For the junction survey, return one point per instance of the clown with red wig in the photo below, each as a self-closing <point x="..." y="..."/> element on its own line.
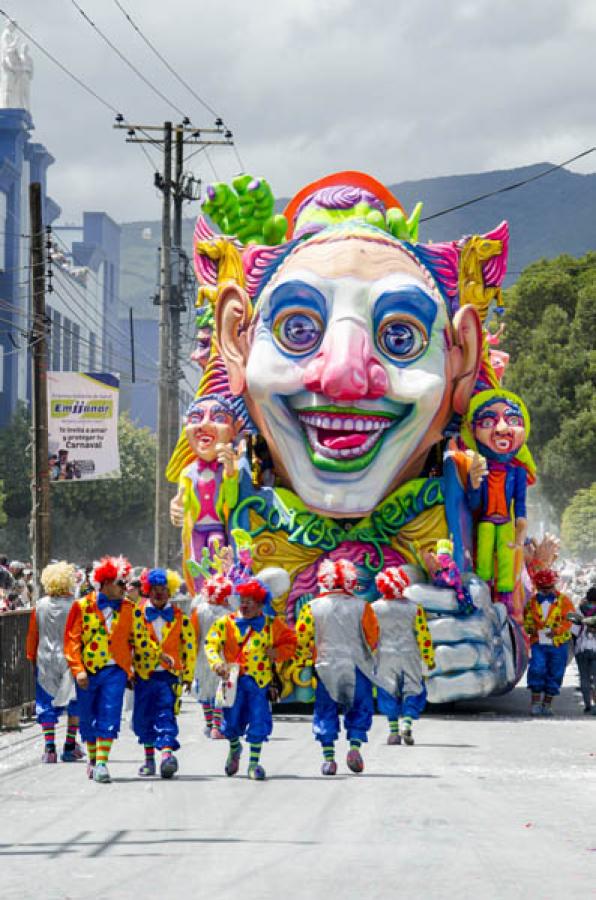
<point x="549" y="630"/>
<point x="210" y="605"/>
<point x="254" y="640"/>
<point x="338" y="633"/>
<point x="404" y="641"/>
<point x="98" y="648"/>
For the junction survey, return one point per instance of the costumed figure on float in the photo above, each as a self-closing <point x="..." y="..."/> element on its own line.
<point x="355" y="352"/>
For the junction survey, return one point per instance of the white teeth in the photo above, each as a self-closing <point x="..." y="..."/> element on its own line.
<point x="359" y="425"/>
<point x="326" y="423"/>
<point x="338" y="424"/>
<point x="349" y="425"/>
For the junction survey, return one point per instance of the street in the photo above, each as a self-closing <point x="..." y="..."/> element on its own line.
<point x="488" y="804"/>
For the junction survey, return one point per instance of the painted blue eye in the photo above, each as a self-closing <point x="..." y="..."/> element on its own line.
<point x="402" y="338"/>
<point x="298" y="331"/>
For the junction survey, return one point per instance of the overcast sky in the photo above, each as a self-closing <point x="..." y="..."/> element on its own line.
<point x="402" y="90"/>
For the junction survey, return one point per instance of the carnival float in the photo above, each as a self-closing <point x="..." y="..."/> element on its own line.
<point x="350" y="407"/>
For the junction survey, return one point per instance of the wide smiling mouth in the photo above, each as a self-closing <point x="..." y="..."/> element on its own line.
<point x="503" y="444"/>
<point x="336" y="435"/>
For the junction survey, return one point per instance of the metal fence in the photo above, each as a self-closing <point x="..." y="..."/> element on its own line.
<point x="17" y="679"/>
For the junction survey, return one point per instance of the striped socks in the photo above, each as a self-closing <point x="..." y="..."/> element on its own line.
<point x="406" y="723"/>
<point x="166" y="751"/>
<point x="328" y="752"/>
<point x="48" y="729"/>
<point x="71" y="736"/>
<point x="255" y="755"/>
<point x="92" y="752"/>
<point x="149" y="753"/>
<point x="355" y="744"/>
<point x="393" y="726"/>
<point x="217" y="717"/>
<point x="208" y="713"/>
<point x="104" y="745"/>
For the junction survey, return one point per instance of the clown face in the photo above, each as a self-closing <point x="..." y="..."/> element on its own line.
<point x="350" y="369"/>
<point x="499" y="428"/>
<point x="208" y="425"/>
<point x="202" y="350"/>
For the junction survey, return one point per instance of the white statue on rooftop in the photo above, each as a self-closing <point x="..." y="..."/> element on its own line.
<point x="16" y="71"/>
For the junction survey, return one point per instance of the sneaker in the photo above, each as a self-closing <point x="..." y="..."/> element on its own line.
<point x="90" y="770"/>
<point x="101" y="774"/>
<point x="73" y="754"/>
<point x="169" y="766"/>
<point x="216" y="735"/>
<point x="355" y="761"/>
<point x="536" y="709"/>
<point x="408" y="737"/>
<point x="547" y="710"/>
<point x="329" y="767"/>
<point x="147" y="769"/>
<point x="233" y="762"/>
<point x="394" y="738"/>
<point x="257" y="773"/>
<point x="50" y="756"/>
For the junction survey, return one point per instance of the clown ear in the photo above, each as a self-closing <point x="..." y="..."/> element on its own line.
<point x="275" y="579"/>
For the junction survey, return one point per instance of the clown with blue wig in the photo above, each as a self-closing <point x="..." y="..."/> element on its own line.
<point x="165" y="651"/>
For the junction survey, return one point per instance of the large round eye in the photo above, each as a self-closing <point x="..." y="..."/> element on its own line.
<point x="298" y="331"/>
<point x="402" y="338"/>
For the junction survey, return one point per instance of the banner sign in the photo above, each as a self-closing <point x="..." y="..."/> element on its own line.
<point x="83" y="425"/>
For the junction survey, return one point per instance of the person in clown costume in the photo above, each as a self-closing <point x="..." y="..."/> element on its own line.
<point x="404" y="641"/>
<point x="165" y="651"/>
<point x="548" y="627"/>
<point x="98" y="648"/>
<point x="497" y="425"/>
<point x="338" y="634"/>
<point x="254" y="639"/>
<point x="211" y="604"/>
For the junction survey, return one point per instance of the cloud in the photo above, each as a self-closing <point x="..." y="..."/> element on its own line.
<point x="402" y="90"/>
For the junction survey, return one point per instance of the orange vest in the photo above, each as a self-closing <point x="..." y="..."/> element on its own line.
<point x="88" y="646"/>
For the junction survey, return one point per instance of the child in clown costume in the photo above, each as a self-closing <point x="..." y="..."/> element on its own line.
<point x="338" y="633"/>
<point x="98" y="649"/>
<point x="547" y="625"/>
<point x="45" y="649"/>
<point x="165" y="651"/>
<point x="254" y="639"/>
<point x="210" y="605"/>
<point x="404" y="640"/>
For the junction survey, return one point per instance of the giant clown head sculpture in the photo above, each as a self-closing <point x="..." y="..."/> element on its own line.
<point x="348" y="343"/>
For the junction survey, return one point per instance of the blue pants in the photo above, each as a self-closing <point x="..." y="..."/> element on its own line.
<point x="357" y="719"/>
<point x="394" y="707"/>
<point x="153" y="718"/>
<point x="547" y="668"/>
<point x="45" y="712"/>
<point x="100" y="704"/>
<point x="250" y="714"/>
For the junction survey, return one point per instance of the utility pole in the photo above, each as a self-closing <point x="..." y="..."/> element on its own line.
<point x="162" y="516"/>
<point x="40" y="475"/>
<point x="170" y="305"/>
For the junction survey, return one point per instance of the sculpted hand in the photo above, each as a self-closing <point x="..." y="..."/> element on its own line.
<point x="478" y="470"/>
<point x="476" y="655"/>
<point x="229" y="458"/>
<point x="177" y="511"/>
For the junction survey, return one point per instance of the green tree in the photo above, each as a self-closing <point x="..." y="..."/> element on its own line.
<point x="578" y="526"/>
<point x="2" y="500"/>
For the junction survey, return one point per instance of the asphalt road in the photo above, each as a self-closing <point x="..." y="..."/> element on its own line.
<point x="487" y="804"/>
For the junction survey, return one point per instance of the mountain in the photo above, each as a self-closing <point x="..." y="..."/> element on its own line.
<point x="547" y="217"/>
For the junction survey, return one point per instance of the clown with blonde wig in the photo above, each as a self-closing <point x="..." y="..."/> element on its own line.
<point x="338" y="634"/>
<point x="45" y="649"/>
<point x="98" y="649"/>
<point x="404" y="641"/>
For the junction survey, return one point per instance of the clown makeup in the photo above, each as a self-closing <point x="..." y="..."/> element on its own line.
<point x="499" y="426"/>
<point x="348" y="366"/>
<point x="209" y="424"/>
<point x="159" y="595"/>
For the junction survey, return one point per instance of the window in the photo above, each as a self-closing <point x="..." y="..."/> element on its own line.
<point x="56" y="340"/>
<point x="66" y="345"/>
<point x="76" y="347"/>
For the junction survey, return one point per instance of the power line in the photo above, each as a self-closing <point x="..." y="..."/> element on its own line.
<point x="125" y="60"/>
<point x="509" y="187"/>
<point x="57" y="62"/>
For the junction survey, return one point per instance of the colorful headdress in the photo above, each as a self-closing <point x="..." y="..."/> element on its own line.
<point x="392" y="582"/>
<point x="110" y="568"/>
<point x="254" y="589"/>
<point x="337" y="575"/>
<point x="545" y="578"/>
<point x="217" y="589"/>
